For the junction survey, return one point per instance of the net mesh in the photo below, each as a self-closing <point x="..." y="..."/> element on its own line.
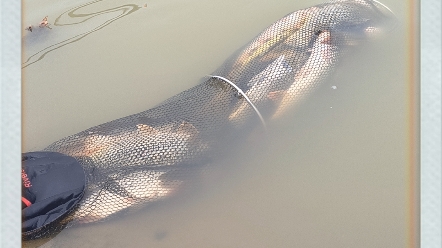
<point x="146" y="157"/>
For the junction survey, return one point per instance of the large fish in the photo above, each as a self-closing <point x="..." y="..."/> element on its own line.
<point x="338" y="25"/>
<point x="318" y="66"/>
<point x="168" y="144"/>
<point x="291" y="28"/>
<point x="126" y="190"/>
<point x="260" y="86"/>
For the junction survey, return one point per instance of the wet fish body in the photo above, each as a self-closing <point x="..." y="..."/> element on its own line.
<point x="124" y="191"/>
<point x="318" y="66"/>
<point x="279" y="32"/>
<point x="260" y="86"/>
<point x="140" y="145"/>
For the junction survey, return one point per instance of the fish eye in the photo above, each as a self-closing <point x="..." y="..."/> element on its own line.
<point x="318" y="32"/>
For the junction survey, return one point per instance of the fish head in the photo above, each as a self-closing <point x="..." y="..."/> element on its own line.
<point x="352" y="21"/>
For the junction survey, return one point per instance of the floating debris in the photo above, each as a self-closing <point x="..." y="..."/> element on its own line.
<point x="334" y="87"/>
<point x="145" y="5"/>
<point x="44" y="23"/>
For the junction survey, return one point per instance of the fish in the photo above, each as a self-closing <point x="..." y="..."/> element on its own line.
<point x="260" y="86"/>
<point x="340" y="26"/>
<point x="126" y="192"/>
<point x="142" y="145"/>
<point x="285" y="29"/>
<point x="144" y="172"/>
<point x="318" y="66"/>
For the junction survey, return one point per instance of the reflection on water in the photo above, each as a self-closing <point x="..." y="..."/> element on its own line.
<point x="84" y="27"/>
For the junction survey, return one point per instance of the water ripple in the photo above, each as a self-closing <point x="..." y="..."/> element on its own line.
<point x="73" y="17"/>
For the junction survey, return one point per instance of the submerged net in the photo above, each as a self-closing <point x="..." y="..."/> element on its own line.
<point x="146" y="157"/>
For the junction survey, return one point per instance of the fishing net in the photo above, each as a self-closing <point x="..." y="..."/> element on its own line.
<point x="149" y="156"/>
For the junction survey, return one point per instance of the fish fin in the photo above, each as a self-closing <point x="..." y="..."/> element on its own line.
<point x="111" y="185"/>
<point x="91" y="145"/>
<point x="276" y="95"/>
<point x="146" y="129"/>
<point x="187" y="128"/>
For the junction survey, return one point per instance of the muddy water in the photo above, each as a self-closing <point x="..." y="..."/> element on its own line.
<point x="334" y="173"/>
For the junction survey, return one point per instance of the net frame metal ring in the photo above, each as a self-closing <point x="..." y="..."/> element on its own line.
<point x="245" y="97"/>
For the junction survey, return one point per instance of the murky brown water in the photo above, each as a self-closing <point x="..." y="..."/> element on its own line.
<point x="334" y="174"/>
